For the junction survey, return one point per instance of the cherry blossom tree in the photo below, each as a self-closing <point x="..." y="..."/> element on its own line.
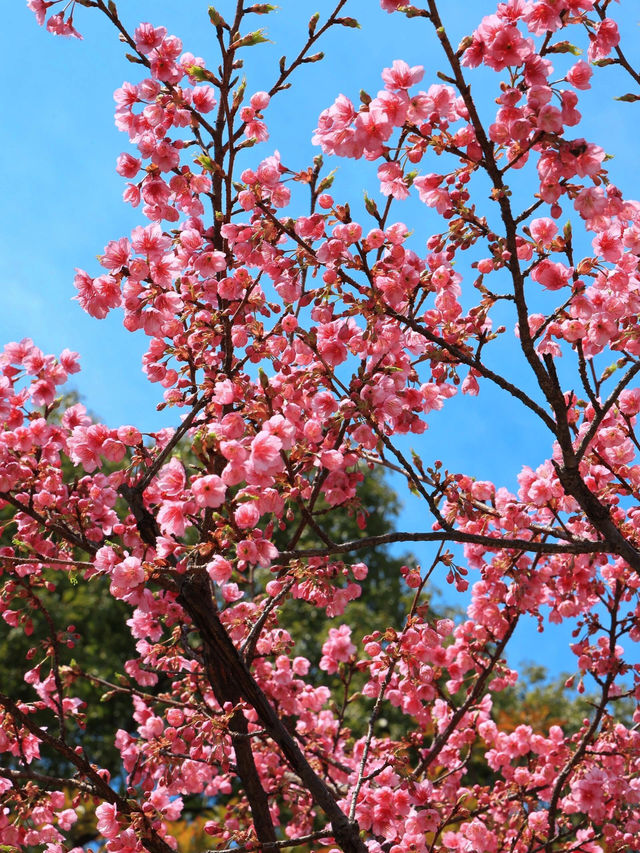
<point x="296" y="352"/>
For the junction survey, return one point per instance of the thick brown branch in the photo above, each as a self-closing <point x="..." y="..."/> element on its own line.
<point x="601" y="411"/>
<point x="46" y="781"/>
<point x="279" y="845"/>
<point x="577" y="546"/>
<point x="231" y="678"/>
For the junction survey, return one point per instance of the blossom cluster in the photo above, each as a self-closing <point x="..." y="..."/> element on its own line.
<point x="300" y="350"/>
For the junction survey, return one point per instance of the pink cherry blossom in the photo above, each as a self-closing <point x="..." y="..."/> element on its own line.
<point x="391" y="181"/>
<point x="265" y="453"/>
<point x="125" y="576"/>
<point x="107" y="815"/>
<point x="147" y="37"/>
<point x="337" y="649"/>
<point x="219" y="569"/>
<point x="247" y="515"/>
<point x="172" y="518"/>
<point x="209" y="490"/>
<point x="401" y="76"/>
<point x="579" y="75"/>
<point x="551" y="275"/>
<point x="605" y="39"/>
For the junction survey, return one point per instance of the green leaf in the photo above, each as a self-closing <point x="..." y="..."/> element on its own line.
<point x="327" y="181"/>
<point x="315" y="57"/>
<point x="564" y="47"/>
<point x="262" y="8"/>
<point x="206" y="162"/>
<point x="216" y="18"/>
<point x="413" y="12"/>
<point x="256" y="37"/>
<point x="348" y="22"/>
<point x="238" y="95"/>
<point x="370" y="206"/>
<point x="201" y="74"/>
<point x="629" y="98"/>
<point x="609" y="371"/>
<point x="264" y="379"/>
<point x="313" y="23"/>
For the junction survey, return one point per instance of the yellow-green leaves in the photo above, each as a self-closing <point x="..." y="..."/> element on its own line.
<point x="261" y="8"/>
<point x="313" y="23"/>
<point x="216" y="18"/>
<point x="348" y="22"/>
<point x="256" y="37"/>
<point x="564" y="47"/>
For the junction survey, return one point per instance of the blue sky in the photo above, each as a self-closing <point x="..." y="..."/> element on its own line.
<point x="61" y="200"/>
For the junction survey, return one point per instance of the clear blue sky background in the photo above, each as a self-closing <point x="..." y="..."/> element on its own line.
<point x="61" y="199"/>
